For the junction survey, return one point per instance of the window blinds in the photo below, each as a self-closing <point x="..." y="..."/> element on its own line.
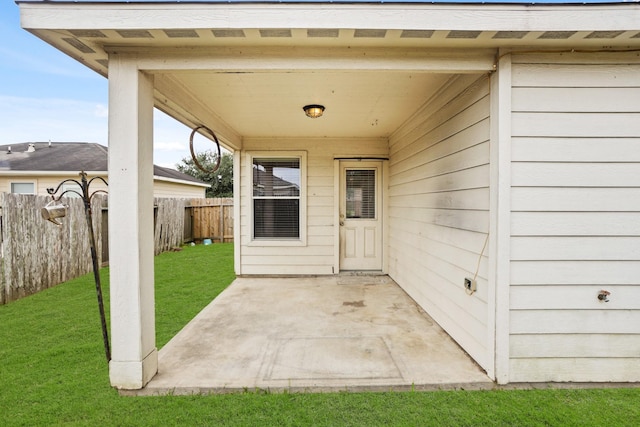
<point x="361" y="194"/>
<point x="276" y="198"/>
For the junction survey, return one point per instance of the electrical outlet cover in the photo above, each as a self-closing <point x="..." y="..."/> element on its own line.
<point x="469" y="284"/>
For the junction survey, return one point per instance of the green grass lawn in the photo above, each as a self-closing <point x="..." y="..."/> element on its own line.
<point x="53" y="372"/>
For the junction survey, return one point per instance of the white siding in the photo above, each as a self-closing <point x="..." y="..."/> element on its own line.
<point x="42" y="182"/>
<point x="575" y="218"/>
<point x="177" y="190"/>
<point x="318" y="255"/>
<point x="439" y="209"/>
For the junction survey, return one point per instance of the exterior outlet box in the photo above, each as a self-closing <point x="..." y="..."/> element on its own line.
<point x="469" y="284"/>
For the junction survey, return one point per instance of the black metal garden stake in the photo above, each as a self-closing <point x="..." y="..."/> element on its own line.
<point x="86" y="198"/>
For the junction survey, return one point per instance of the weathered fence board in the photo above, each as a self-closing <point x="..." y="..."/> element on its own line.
<point x="169" y="231"/>
<point x="36" y="254"/>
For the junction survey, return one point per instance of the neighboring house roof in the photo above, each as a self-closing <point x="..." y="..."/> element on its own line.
<point x="70" y="157"/>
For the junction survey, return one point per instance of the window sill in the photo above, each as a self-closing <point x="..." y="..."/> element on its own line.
<point x="273" y="242"/>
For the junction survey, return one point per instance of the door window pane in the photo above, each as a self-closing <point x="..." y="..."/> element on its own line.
<point x="361" y="194"/>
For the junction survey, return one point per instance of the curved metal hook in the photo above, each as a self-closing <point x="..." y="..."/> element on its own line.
<point x="52" y="191"/>
<point x="100" y="178"/>
<point x="96" y="192"/>
<point x="193" y="154"/>
<point x="68" y="191"/>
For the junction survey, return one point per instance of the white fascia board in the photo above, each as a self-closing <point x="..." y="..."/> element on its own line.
<point x="91" y="174"/>
<point x="181" y="181"/>
<point x="486" y="17"/>
<point x="312" y="59"/>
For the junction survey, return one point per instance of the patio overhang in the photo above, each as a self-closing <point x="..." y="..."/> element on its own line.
<point x="246" y="69"/>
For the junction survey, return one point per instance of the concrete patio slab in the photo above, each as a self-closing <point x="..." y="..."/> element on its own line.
<point x="352" y="332"/>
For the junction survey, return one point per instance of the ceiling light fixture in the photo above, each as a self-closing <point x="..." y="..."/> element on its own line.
<point x="313" y="110"/>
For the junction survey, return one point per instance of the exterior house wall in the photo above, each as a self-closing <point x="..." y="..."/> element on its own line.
<point x="317" y="256"/>
<point x="42" y="182"/>
<point x="575" y="227"/>
<point x="163" y="188"/>
<point x="439" y="209"/>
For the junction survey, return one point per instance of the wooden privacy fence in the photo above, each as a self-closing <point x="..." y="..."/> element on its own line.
<point x="35" y="254"/>
<point x="212" y="219"/>
<point x="169" y="224"/>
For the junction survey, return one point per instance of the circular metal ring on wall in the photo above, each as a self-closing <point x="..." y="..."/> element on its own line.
<point x="193" y="154"/>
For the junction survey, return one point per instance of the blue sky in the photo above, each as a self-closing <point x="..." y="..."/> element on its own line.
<point x="45" y="95"/>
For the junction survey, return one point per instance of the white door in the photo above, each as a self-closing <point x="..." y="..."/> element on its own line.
<point x="360" y="215"/>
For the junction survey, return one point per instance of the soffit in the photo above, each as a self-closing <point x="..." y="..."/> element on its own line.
<point x="268" y="103"/>
<point x="88" y="45"/>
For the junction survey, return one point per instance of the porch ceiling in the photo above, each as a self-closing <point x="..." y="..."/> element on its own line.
<point x="358" y="104"/>
<point x="264" y="94"/>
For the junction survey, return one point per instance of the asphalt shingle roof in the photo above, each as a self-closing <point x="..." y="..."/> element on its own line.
<point x="68" y="156"/>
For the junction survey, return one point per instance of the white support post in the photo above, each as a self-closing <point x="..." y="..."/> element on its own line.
<point x="134" y="354"/>
<point x="237" y="203"/>
<point x="500" y="218"/>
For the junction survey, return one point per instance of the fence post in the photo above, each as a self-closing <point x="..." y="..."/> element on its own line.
<point x="221" y="220"/>
<point x="3" y="282"/>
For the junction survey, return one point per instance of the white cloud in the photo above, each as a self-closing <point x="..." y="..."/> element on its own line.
<point x="43" y="119"/>
<point x="24" y="119"/>
<point x="101" y="110"/>
<point x="168" y="146"/>
<point x="171" y="140"/>
<point x="48" y="62"/>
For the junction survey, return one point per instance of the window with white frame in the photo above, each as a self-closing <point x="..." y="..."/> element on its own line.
<point x="71" y="190"/>
<point x="277" y="197"/>
<point x="23" y="188"/>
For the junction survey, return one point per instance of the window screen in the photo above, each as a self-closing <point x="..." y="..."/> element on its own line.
<point x="276" y="198"/>
<point x="361" y="194"/>
<point x="22" y="188"/>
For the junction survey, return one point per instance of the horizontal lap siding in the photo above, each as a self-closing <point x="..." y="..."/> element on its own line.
<point x="439" y="209"/>
<point x="575" y="218"/>
<point x="176" y="190"/>
<point x="160" y="188"/>
<point x="318" y="255"/>
<point x="43" y="182"/>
